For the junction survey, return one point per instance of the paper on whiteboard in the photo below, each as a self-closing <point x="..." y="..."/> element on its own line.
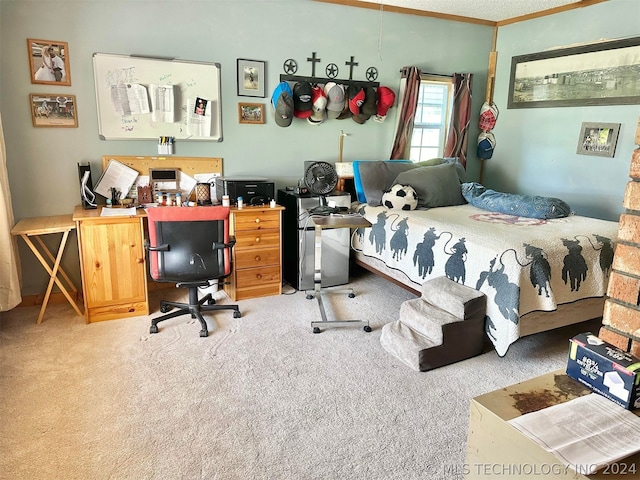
<point x="129" y="99"/>
<point x="163" y="103"/>
<point x="199" y="124"/>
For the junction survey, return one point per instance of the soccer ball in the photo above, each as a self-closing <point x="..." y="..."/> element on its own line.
<point x="400" y="197"/>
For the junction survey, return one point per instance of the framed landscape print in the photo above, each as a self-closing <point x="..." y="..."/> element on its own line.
<point x="49" y="62"/>
<point x="53" y="110"/>
<point x="251" y="113"/>
<point x="604" y="73"/>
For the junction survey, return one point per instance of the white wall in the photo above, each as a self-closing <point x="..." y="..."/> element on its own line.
<point x="42" y="161"/>
<point x="536" y="147"/>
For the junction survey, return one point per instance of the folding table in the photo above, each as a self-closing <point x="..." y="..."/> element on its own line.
<point x="36" y="227"/>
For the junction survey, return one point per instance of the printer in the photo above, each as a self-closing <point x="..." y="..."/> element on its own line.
<point x="254" y="191"/>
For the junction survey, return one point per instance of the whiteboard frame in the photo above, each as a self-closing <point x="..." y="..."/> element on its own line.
<point x="176" y="129"/>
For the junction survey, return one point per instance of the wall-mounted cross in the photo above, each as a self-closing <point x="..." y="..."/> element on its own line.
<point x="313" y="61"/>
<point x="351" y="64"/>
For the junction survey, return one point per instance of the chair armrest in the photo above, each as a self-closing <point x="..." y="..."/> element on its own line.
<point x="221" y="245"/>
<point x="160" y="248"/>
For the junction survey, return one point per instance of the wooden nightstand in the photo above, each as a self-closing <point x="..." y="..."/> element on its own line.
<point x="257" y="264"/>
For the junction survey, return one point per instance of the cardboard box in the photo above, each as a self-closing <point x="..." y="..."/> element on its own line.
<point x="605" y="369"/>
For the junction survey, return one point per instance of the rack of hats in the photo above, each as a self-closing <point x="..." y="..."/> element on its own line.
<point x="318" y="99"/>
<point x="488" y="116"/>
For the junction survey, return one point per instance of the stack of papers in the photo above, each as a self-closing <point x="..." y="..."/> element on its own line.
<point x="585" y="434"/>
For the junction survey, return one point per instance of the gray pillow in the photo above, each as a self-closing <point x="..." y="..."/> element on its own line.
<point x="377" y="176"/>
<point x="436" y="186"/>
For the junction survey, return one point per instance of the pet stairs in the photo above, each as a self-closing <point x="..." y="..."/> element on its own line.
<point x="445" y="325"/>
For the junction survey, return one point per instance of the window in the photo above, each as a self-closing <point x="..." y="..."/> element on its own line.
<point x="435" y="101"/>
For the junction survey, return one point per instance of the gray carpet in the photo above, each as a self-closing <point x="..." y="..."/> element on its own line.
<point x="260" y="398"/>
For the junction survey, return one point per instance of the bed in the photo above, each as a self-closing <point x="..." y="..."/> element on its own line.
<point x="537" y="273"/>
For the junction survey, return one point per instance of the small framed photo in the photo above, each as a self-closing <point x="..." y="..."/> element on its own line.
<point x="53" y="110"/>
<point x="251" y="78"/>
<point x="598" y="139"/>
<point x="251" y="113"/>
<point x="49" y="62"/>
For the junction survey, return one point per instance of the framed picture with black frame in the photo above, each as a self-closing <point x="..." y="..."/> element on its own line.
<point x="603" y="73"/>
<point x="251" y="78"/>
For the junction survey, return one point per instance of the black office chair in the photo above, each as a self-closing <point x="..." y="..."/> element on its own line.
<point x="189" y="246"/>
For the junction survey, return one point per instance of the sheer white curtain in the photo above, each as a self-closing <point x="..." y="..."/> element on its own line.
<point x="9" y="260"/>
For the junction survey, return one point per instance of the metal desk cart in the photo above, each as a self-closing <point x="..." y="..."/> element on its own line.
<point x="322" y="222"/>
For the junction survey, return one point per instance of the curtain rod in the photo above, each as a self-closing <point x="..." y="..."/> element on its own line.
<point x="404" y="72"/>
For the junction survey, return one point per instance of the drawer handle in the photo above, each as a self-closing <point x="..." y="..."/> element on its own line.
<point x="257" y="220"/>
<point x="258" y="258"/>
<point x="259" y="276"/>
<point x="139" y="260"/>
<point x="257" y="239"/>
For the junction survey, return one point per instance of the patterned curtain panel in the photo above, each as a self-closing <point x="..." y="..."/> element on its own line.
<point x="459" y="128"/>
<point x="406" y="118"/>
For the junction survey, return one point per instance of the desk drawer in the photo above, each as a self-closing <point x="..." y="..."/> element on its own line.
<point x="257" y="257"/>
<point x="251" y="277"/>
<point x="258" y="220"/>
<point x="258" y="238"/>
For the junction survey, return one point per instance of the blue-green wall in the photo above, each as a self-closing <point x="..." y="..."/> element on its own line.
<point x="536" y="147"/>
<point x="42" y="161"/>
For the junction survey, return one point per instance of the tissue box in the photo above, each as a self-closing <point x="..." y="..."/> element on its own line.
<point x="605" y="369"/>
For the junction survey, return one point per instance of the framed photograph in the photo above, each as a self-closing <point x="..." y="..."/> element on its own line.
<point x="251" y="113"/>
<point x="251" y="78"/>
<point x="602" y="73"/>
<point x="53" y="110"/>
<point x="49" y="62"/>
<point x="598" y="139"/>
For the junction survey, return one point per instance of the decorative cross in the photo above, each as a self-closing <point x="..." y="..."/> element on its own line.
<point x="313" y="61"/>
<point x="351" y="64"/>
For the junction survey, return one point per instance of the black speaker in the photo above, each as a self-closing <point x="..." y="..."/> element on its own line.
<point x="87" y="196"/>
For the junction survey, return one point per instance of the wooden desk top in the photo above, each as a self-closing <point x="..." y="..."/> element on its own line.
<point x="44" y="225"/>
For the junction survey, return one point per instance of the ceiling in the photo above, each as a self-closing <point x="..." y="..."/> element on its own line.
<point x="480" y="11"/>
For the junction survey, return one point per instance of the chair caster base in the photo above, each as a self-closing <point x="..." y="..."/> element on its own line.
<point x="352" y="295"/>
<point x="316" y="330"/>
<point x="367" y="328"/>
<point x="153" y="329"/>
<point x="309" y="296"/>
<point x="236" y="314"/>
<point x="204" y="333"/>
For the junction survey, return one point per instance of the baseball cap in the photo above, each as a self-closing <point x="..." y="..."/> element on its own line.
<point x="488" y="116"/>
<point x="318" y="105"/>
<point x="335" y="99"/>
<point x="386" y="99"/>
<point x="282" y="101"/>
<point x="368" y="106"/>
<point x="486" y="145"/>
<point x="356" y="98"/>
<point x="302" y="99"/>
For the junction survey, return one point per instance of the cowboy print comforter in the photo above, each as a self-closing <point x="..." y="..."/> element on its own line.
<point x="521" y="264"/>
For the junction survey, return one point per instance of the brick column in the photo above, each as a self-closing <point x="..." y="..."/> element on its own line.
<point x="621" y="317"/>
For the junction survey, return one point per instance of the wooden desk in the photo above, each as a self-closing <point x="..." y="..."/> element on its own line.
<point x="495" y="449"/>
<point x="36" y="227"/>
<point x="112" y="262"/>
<point x="322" y="222"/>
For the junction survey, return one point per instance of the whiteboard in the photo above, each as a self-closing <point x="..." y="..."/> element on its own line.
<point x="141" y="98"/>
